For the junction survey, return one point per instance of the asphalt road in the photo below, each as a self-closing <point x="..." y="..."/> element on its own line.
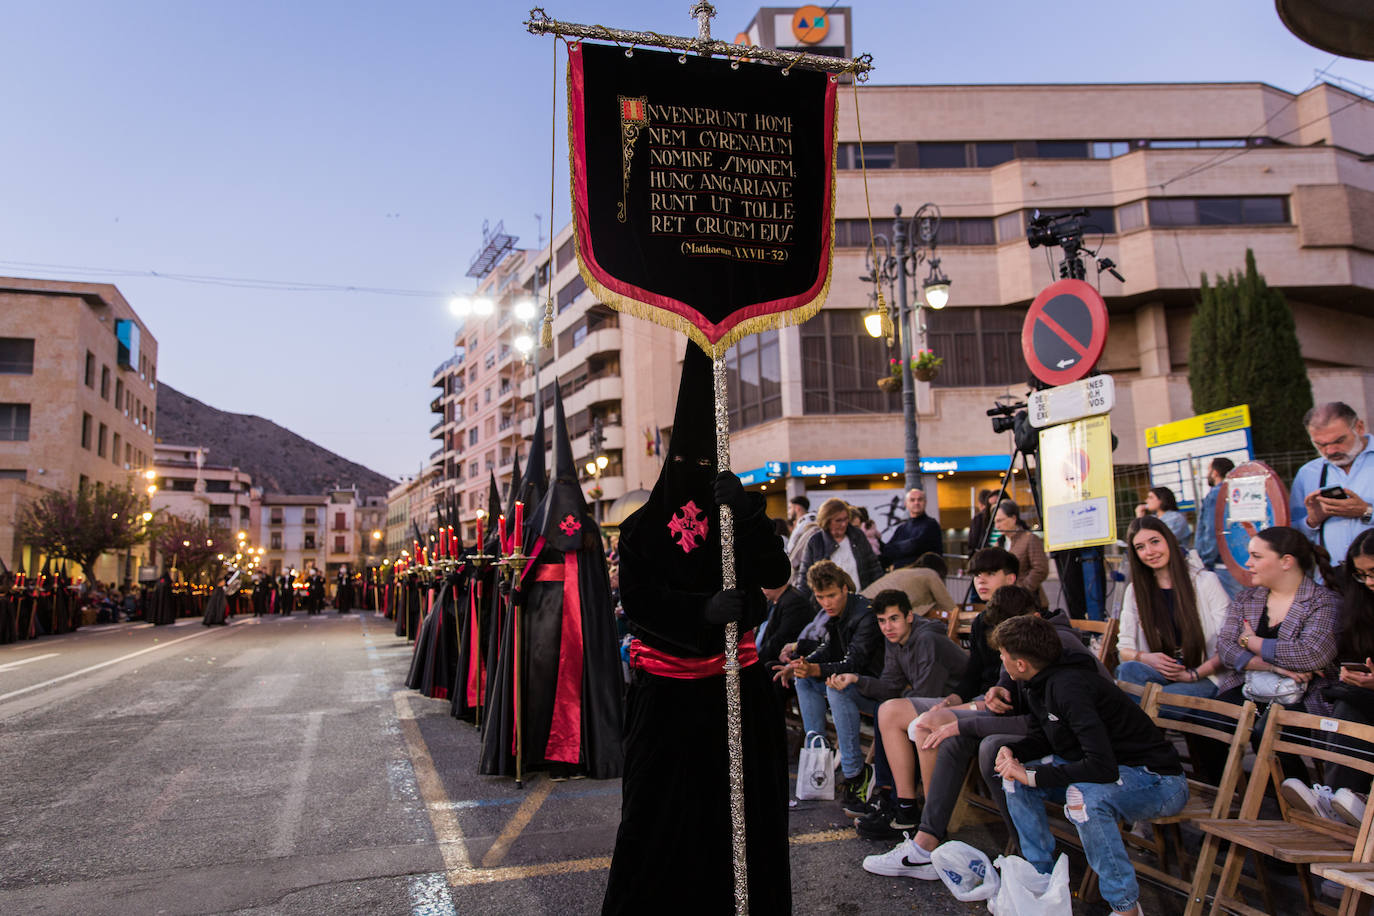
<point x="280" y="767"/>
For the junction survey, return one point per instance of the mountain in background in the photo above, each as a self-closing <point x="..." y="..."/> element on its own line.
<point x="278" y="460"/>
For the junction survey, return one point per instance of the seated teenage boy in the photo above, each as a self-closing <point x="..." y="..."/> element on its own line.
<point x="920" y="660"/>
<point x="852" y="645"/>
<point x="1109" y="762"/>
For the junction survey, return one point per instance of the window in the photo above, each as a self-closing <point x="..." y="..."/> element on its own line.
<point x="275" y="540"/>
<point x="1011" y="227"/>
<point x="942" y="155"/>
<point x="986" y="155"/>
<point x="1218" y="211"/>
<point x="90" y="369"/>
<point x="486" y="395"/>
<point x="217" y="486"/>
<point x="853" y="233"/>
<point x="981" y="346"/>
<point x="875" y="156"/>
<point x="14" y="423"/>
<point x="489" y="360"/>
<point x="221" y="512"/>
<point x="101" y="441"/>
<point x="276" y="516"/>
<point x="574" y="288"/>
<point x="339" y="544"/>
<point x="16" y="356"/>
<point x="86" y="431"/>
<point x="114" y="449"/>
<point x="340" y="521"/>
<point x="1196" y="144"/>
<point x="1061" y="149"/>
<point x="310" y="516"/>
<point x="105" y="382"/>
<point x="755" y="380"/>
<point x="1109" y="149"/>
<point x="14" y="474"/>
<point x="472" y="468"/>
<point x="472" y="436"/>
<point x="840" y="365"/>
<point x="1130" y="216"/>
<point x="564" y="255"/>
<point x="310" y="540"/>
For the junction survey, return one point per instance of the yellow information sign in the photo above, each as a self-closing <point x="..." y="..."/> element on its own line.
<point x="1076" y="484"/>
<point x="1204" y="424"/>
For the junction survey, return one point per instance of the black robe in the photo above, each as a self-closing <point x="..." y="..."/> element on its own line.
<point x="216" y="608"/>
<point x="162" y="610"/>
<point x="435" y="659"/>
<point x="474" y="613"/>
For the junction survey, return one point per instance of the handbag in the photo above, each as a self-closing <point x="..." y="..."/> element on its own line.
<point x="1272" y="687"/>
<point x="816" y="768"/>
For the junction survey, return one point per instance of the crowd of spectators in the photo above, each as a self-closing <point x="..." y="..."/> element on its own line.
<point x="857" y="633"/>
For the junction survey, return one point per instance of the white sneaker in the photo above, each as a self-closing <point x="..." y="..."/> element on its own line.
<point x="1348" y="806"/>
<point x="1324" y="806"/>
<point x="1299" y="795"/>
<point x="906" y="860"/>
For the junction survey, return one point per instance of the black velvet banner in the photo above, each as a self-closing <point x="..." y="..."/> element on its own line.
<point x="702" y="190"/>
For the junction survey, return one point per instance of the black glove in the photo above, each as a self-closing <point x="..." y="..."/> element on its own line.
<point x="726" y="606"/>
<point x="730" y="492"/>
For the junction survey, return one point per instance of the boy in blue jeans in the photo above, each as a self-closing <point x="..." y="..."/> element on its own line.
<point x="1089" y="746"/>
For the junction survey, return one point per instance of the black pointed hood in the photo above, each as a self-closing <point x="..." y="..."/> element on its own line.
<point x="511" y="494"/>
<point x="563" y="519"/>
<point x="490" y="546"/>
<point x="678" y="527"/>
<point x="535" y="481"/>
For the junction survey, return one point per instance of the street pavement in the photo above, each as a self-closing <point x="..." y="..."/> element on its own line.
<point x="279" y="766"/>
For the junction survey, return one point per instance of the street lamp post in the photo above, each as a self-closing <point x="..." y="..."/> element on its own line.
<point x="915" y="242"/>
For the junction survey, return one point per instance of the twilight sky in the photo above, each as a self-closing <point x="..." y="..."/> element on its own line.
<point x="262" y="146"/>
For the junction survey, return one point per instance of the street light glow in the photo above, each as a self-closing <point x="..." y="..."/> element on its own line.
<point x="524" y="310"/>
<point x="937" y="295"/>
<point x="602" y="461"/>
<point x="873" y="323"/>
<point x="524" y="344"/>
<point x="482" y="306"/>
<point x="460" y="306"/>
<point x="591" y="468"/>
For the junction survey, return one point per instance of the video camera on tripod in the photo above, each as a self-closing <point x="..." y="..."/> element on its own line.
<point x="1065" y="230"/>
<point x="1012" y="418"/>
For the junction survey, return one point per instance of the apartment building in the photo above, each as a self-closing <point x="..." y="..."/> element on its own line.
<point x="78" y="395"/>
<point x="191" y="485"/>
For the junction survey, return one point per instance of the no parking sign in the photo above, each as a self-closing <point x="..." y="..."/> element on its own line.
<point x="1065" y="332"/>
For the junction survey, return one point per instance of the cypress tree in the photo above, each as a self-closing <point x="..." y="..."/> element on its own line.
<point x="1244" y="350"/>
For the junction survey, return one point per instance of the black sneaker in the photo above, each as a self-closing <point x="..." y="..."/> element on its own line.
<point x="876" y="824"/>
<point x="855" y="805"/>
<point x="904" y="820"/>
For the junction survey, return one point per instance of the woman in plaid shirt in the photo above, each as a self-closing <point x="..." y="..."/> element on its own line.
<point x="1287" y="623"/>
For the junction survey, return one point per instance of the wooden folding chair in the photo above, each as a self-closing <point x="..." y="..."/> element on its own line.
<point x="1103" y="632"/>
<point x="961" y="623"/>
<point x="1297" y="837"/>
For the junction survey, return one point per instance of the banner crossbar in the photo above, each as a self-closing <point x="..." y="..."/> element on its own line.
<point x="540" y="24"/>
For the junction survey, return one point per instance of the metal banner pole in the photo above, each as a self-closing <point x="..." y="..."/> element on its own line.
<point x="732" y="704"/>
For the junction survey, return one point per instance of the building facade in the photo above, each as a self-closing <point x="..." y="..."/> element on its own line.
<point x="78" y="395"/>
<point x="191" y="485"/>
<point x="1177" y="181"/>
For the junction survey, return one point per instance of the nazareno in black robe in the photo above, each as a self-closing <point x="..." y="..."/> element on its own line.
<point x="435" y="658"/>
<point x="675" y="835"/>
<point x="570" y="682"/>
<point x="472" y="677"/>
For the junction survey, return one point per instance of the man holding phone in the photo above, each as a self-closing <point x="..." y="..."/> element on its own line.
<point x="1332" y="495"/>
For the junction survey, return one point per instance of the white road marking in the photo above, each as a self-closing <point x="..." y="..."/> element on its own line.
<point x="293" y="806"/>
<point x="25" y="661"/>
<point x="105" y="664"/>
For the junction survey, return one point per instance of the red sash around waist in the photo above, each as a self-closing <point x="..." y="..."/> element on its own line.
<point x="656" y="661"/>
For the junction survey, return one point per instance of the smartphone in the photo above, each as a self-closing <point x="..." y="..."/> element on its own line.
<point x="1356" y="666"/>
<point x="1333" y="493"/>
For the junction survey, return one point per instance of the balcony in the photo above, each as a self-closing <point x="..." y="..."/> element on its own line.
<point x="614" y="437"/>
<point x="597" y="391"/>
<point x="436" y="453"/>
<point x="437" y="405"/>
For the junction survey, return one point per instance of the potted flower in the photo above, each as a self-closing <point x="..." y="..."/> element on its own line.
<point x="925" y="365"/>
<point x="893" y="380"/>
<point x="595" y="493"/>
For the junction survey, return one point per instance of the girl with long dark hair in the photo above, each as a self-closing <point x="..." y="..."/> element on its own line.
<point x="1171" y="615"/>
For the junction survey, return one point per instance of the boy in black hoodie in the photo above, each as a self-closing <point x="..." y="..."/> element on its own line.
<point x="1088" y="745"/>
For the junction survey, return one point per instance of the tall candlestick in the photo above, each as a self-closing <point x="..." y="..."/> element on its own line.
<point x="519" y="533"/>
<point x="501" y="534"/>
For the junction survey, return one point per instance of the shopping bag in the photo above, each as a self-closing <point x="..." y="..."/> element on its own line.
<point x="965" y="870"/>
<point x="816" y="768"/>
<point x="1026" y="892"/>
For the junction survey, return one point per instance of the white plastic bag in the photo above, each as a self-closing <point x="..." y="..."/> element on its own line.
<point x="1026" y="892"/>
<point x="965" y="870"/>
<point x="816" y="769"/>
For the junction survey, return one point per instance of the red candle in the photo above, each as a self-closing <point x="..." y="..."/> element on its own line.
<point x="443" y="542"/>
<point x="481" y="543"/>
<point x="519" y="533"/>
<point x="452" y="544"/>
<point x="501" y="533"/>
